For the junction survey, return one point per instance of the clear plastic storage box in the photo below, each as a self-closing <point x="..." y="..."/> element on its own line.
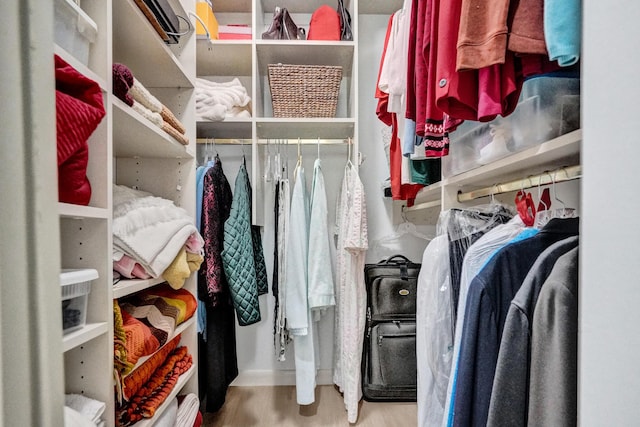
<point x="74" y="29"/>
<point x="549" y="106"/>
<point x="76" y="285"/>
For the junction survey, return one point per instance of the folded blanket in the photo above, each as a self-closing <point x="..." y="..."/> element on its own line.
<point x="188" y="409"/>
<point x="195" y="244"/>
<point x="73" y="418"/>
<point x="132" y="340"/>
<point x="129" y="268"/>
<point x="91" y="409"/>
<point x="217" y="101"/>
<point x="136" y="380"/>
<point x="153" y="393"/>
<point x="120" y="357"/>
<point x="156" y="314"/>
<point x="169" y="416"/>
<point x="182" y="299"/>
<point x="149" y="229"/>
<point x="161" y="308"/>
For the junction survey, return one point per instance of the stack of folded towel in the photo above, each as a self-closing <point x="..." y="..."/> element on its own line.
<point x="134" y="94"/>
<point x="220" y="101"/>
<point x="81" y="411"/>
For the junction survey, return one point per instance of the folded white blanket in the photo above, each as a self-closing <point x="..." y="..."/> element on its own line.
<point x="188" y="411"/>
<point x="149" y="229"/>
<point x="168" y="417"/>
<point x="73" y="418"/>
<point x="217" y="101"/>
<point x="83" y="407"/>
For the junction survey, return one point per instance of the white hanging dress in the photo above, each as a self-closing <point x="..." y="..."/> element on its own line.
<point x="351" y="297"/>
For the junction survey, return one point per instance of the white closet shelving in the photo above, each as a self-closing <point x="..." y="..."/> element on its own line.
<point x="85" y="234"/>
<point x="127" y="149"/>
<point x="223" y="60"/>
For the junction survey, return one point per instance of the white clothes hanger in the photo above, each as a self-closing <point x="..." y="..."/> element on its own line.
<point x="564" y="211"/>
<point x="299" y="161"/>
<point x="403" y="229"/>
<point x="349" y="162"/>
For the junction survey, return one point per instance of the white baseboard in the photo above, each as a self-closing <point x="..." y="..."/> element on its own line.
<point x="280" y="377"/>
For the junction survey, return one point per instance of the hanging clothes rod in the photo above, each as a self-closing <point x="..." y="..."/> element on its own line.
<point x="549" y="177"/>
<point x="292" y="142"/>
<point x="216" y="141"/>
<point x="422" y="206"/>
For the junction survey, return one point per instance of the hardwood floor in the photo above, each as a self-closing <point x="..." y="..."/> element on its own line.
<point x="276" y="406"/>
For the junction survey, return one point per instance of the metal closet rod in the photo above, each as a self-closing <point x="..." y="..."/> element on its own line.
<point x="227" y="141"/>
<point x="548" y="177"/>
<point x="291" y="141"/>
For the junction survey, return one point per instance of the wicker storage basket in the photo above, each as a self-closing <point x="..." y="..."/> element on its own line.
<point x="304" y="90"/>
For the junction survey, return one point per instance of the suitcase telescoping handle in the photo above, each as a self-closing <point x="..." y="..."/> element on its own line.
<point x="401" y="261"/>
<point x="393" y="260"/>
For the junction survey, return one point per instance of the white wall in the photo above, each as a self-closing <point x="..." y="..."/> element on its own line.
<point x="375" y="169"/>
<point x="609" y="341"/>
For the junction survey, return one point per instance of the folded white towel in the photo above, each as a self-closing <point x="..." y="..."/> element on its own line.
<point x="169" y="416"/>
<point x="73" y="418"/>
<point x="149" y="229"/>
<point x="90" y="408"/>
<point x="188" y="411"/>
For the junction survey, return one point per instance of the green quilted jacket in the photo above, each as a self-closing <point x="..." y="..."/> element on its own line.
<point x="238" y="258"/>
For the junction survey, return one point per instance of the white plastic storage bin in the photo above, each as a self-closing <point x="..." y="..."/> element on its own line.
<point x="74" y="29"/>
<point x="548" y="107"/>
<point x="76" y="285"/>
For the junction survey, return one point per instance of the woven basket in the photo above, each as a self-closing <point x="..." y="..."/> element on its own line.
<point x="304" y="90"/>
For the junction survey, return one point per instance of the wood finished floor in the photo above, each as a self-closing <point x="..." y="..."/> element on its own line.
<point x="276" y="406"/>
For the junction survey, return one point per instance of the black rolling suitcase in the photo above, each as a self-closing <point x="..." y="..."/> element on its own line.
<point x="389" y="352"/>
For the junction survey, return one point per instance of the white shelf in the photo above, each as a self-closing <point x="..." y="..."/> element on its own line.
<point x="135" y="136"/>
<point x="79" y="66"/>
<point x="559" y="152"/>
<point x="182" y="380"/>
<point x="305" y="52"/>
<point x="137" y="45"/>
<point x="305" y="128"/>
<point x="180" y="329"/>
<point x="68" y="210"/>
<point x="227" y="129"/>
<point x="223" y="57"/>
<point x="131" y="286"/>
<point x="86" y="334"/>
<point x="427" y="194"/>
